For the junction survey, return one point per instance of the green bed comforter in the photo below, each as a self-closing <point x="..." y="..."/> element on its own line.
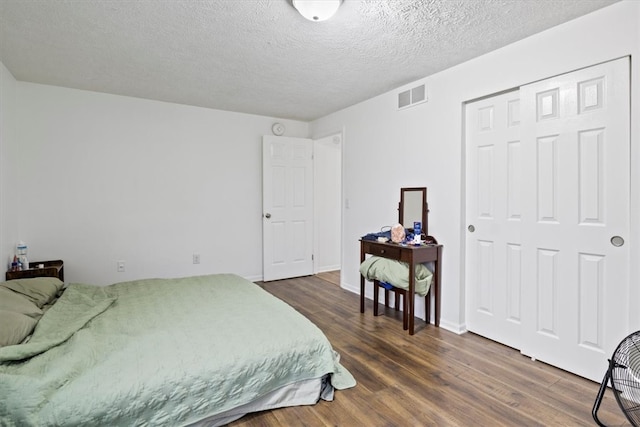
<point x="159" y="352"/>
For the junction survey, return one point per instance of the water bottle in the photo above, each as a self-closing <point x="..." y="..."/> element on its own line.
<point x="21" y="251"/>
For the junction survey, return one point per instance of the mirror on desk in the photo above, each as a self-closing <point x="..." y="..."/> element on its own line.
<point x="413" y="207"/>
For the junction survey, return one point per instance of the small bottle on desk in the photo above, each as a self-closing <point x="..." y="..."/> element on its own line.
<point x="417" y="232"/>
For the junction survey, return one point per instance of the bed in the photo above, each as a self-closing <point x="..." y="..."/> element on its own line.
<point x="200" y="350"/>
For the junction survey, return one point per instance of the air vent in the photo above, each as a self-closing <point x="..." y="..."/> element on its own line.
<point x="417" y="94"/>
<point x="404" y="99"/>
<point x="411" y="97"/>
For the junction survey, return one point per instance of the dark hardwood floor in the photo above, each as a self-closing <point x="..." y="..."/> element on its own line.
<point x="332" y="277"/>
<point x="434" y="378"/>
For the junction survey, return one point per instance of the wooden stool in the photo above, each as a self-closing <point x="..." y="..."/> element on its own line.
<point x="399" y="292"/>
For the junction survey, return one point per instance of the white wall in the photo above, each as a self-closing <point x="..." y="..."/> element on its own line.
<point x="105" y="178"/>
<point x="8" y="194"/>
<point x="385" y="149"/>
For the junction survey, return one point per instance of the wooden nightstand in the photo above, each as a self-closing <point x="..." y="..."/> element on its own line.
<point x="50" y="269"/>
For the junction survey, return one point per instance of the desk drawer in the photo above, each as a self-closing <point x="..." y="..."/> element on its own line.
<point x="384" y="251"/>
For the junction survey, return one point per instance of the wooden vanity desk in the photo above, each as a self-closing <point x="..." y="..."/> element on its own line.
<point x="412" y="255"/>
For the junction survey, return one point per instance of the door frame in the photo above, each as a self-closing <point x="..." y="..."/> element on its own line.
<point x="316" y="230"/>
<point x="316" y="203"/>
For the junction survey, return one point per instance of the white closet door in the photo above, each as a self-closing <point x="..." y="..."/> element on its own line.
<point x="548" y="178"/>
<point x="576" y="141"/>
<point x="493" y="217"/>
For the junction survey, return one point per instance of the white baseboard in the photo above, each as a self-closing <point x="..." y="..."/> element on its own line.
<point x="327" y="268"/>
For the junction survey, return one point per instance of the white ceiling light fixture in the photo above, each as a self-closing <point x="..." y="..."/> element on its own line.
<point x="317" y="10"/>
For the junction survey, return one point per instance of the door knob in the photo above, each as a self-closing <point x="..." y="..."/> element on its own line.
<point x="617" y="241"/>
<point x="471" y="228"/>
<point x="267" y="215"/>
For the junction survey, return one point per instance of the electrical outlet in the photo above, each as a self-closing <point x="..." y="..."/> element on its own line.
<point x="120" y="266"/>
<point x="196" y="258"/>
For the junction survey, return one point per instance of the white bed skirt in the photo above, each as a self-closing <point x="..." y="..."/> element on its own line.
<point x="306" y="392"/>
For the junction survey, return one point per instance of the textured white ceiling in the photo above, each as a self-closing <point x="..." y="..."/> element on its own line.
<point x="259" y="56"/>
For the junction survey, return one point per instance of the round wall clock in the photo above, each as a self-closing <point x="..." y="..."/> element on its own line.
<point x="278" y="129"/>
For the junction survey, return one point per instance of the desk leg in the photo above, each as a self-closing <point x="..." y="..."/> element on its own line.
<point x="376" y="287"/>
<point x="437" y="290"/>
<point x="411" y="295"/>
<point x="361" y="294"/>
<point x="361" y="282"/>
<point x="427" y="304"/>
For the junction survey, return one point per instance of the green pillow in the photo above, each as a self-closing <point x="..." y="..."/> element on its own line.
<point x="18" y="303"/>
<point x="40" y="290"/>
<point x="15" y="327"/>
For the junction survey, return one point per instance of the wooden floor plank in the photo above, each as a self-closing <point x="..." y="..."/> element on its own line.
<point x="433" y="378"/>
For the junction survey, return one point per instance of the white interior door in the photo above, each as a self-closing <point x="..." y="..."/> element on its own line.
<point x="546" y="197"/>
<point x="287" y="200"/>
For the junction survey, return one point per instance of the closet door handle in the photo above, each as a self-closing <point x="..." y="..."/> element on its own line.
<point x="267" y="215"/>
<point x="471" y="228"/>
<point x="617" y="241"/>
